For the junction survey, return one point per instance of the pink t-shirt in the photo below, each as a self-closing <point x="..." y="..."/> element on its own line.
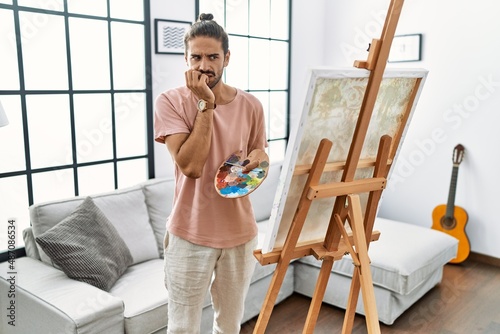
<point x="199" y="214"/>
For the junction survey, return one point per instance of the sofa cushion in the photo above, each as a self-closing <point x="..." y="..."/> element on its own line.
<point x="47" y="301"/>
<point x="404" y="256"/>
<point x="87" y="247"/>
<point x="159" y="194"/>
<point x="126" y="210"/>
<point x="145" y="297"/>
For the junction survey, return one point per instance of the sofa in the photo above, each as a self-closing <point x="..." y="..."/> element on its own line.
<point x="128" y="294"/>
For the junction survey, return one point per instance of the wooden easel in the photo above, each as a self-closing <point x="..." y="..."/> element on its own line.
<point x="347" y="206"/>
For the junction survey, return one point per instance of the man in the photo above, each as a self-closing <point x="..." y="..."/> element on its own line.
<point x="210" y="239"/>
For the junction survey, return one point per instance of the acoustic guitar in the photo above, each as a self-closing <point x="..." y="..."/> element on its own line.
<point x="450" y="218"/>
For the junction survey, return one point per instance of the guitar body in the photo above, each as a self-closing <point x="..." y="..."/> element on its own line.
<point x="450" y="218"/>
<point x="454" y="227"/>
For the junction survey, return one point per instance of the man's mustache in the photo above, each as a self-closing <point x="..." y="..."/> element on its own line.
<point x="207" y="72"/>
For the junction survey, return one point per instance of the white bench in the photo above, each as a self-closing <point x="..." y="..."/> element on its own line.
<point x="406" y="262"/>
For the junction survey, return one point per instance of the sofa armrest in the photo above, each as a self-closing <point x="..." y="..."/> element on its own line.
<point x="39" y="298"/>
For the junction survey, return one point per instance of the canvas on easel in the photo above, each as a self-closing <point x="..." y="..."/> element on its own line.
<point x="331" y="111"/>
<point x="357" y="140"/>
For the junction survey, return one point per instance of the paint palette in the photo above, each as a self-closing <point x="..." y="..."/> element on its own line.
<point x="233" y="180"/>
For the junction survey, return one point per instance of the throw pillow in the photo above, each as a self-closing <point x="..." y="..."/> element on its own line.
<point x="87" y="247"/>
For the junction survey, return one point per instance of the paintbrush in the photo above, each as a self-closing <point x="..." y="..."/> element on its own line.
<point x="233" y="164"/>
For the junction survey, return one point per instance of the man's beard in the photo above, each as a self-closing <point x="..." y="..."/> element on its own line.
<point x="212" y="84"/>
<point x="215" y="82"/>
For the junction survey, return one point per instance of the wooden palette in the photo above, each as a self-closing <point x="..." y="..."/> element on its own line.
<point x="233" y="180"/>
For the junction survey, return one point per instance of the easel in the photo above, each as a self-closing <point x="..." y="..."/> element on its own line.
<point x="347" y="206"/>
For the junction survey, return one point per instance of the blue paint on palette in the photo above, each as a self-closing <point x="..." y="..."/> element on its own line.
<point x="233" y="180"/>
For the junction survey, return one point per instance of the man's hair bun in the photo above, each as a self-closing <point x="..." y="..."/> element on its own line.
<point x="206" y="26"/>
<point x="206" y="17"/>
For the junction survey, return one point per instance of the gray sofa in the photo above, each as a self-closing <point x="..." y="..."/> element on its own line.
<point x="406" y="262"/>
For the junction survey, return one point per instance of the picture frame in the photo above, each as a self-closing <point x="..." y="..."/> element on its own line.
<point x="169" y="36"/>
<point x="406" y="48"/>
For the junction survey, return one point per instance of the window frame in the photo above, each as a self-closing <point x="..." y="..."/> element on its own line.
<point x="287" y="117"/>
<point x="22" y="93"/>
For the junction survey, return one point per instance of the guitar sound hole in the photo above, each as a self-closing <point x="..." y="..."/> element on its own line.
<point x="448" y="223"/>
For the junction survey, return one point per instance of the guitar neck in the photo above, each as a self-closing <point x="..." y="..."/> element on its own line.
<point x="450" y="207"/>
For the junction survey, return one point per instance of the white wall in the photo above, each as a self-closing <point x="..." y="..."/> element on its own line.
<point x="168" y="70"/>
<point x="308" y="49"/>
<point x="460" y="101"/>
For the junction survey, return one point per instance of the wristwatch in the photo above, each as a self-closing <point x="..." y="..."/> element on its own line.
<point x="204" y="105"/>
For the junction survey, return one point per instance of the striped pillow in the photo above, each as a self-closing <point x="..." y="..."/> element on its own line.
<point x="87" y="247"/>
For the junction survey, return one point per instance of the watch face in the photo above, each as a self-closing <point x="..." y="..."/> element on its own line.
<point x="202" y="105"/>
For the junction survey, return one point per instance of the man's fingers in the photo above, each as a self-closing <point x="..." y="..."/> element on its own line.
<point x="203" y="78"/>
<point x="197" y="82"/>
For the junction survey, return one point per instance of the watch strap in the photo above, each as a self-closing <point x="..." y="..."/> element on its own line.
<point x="210" y="105"/>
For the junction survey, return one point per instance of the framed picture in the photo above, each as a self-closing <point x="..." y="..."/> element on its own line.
<point x="406" y="48"/>
<point x="169" y="36"/>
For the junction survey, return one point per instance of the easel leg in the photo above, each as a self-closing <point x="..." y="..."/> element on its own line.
<point x="272" y="294"/>
<point x="370" y="213"/>
<point x="364" y="272"/>
<point x="319" y="292"/>
<point x="352" y="302"/>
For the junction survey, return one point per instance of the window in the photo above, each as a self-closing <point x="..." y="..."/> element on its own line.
<point x="259" y="40"/>
<point x="76" y="90"/>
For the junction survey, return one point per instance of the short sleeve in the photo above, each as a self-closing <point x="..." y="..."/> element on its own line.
<point x="169" y="118"/>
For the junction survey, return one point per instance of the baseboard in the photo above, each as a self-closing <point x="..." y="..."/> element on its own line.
<point x="484" y="259"/>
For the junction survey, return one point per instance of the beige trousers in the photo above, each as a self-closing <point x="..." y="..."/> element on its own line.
<point x="193" y="270"/>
